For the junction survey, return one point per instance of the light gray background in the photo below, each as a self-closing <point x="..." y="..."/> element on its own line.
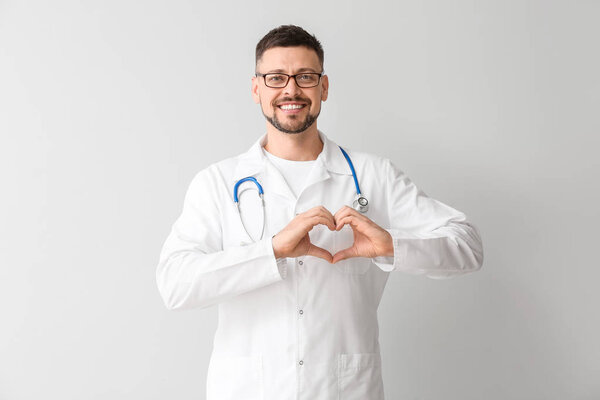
<point x="108" y="109"/>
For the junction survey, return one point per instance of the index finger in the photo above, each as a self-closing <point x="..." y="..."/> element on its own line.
<point x="320" y="211"/>
<point x="344" y="211"/>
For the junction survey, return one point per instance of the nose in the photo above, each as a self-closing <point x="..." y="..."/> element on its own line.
<point x="291" y="88"/>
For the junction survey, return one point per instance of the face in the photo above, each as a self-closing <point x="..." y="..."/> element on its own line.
<point x="273" y="101"/>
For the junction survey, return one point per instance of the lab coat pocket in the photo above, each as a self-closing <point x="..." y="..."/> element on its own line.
<point x="359" y="376"/>
<point x="343" y="239"/>
<point x="235" y="378"/>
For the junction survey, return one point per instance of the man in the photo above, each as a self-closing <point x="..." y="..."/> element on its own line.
<point x="298" y="284"/>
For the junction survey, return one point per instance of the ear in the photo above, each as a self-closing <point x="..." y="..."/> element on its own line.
<point x="325" y="87"/>
<point x="255" y="91"/>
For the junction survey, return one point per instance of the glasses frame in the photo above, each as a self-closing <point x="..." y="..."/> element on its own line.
<point x="264" y="76"/>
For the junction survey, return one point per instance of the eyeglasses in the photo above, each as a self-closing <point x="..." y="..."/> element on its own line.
<point x="303" y="79"/>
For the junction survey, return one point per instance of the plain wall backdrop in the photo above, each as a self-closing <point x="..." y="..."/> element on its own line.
<point x="108" y="109"/>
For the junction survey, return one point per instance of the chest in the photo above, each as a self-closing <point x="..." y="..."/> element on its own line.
<point x="254" y="217"/>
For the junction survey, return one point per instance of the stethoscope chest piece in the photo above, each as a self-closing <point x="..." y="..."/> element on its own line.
<point x="361" y="204"/>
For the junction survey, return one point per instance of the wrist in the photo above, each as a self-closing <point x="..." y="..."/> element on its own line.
<point x="389" y="248"/>
<point x="275" y="251"/>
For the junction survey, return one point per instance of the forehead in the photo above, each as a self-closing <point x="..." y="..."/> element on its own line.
<point x="289" y="58"/>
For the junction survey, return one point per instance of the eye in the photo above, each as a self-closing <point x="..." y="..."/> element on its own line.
<point x="306" y="77"/>
<point x="275" y="78"/>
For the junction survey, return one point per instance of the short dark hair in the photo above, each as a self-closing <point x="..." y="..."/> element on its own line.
<point x="289" y="36"/>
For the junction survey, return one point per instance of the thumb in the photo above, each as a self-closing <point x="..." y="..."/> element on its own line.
<point x="344" y="254"/>
<point x="316" y="251"/>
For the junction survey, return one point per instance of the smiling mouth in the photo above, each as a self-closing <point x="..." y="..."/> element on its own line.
<point x="291" y="107"/>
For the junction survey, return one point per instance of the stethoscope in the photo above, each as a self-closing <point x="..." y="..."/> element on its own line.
<point x="360" y="203"/>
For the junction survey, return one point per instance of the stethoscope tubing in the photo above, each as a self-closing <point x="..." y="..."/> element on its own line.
<point x="238" y="183"/>
<point x="352" y="169"/>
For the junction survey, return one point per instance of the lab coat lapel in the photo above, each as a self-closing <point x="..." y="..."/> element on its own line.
<point x="330" y="161"/>
<point x="317" y="174"/>
<point x="277" y="183"/>
<point x="255" y="163"/>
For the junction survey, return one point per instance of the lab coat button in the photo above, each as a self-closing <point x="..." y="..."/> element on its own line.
<point x="300" y="262"/>
<point x="301" y="362"/>
<point x="301" y="312"/>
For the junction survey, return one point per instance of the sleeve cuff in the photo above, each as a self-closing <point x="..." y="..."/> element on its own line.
<point x="405" y="246"/>
<point x="282" y="267"/>
<point x="281" y="263"/>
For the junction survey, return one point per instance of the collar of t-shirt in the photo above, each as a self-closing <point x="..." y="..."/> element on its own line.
<point x="294" y="172"/>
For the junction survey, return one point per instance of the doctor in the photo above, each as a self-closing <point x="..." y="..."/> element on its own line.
<point x="298" y="285"/>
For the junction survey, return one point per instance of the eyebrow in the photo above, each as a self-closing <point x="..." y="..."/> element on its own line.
<point x="298" y="71"/>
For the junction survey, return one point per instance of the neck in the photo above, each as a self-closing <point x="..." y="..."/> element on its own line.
<point x="303" y="146"/>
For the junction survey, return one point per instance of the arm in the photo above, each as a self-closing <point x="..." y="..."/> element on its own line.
<point x="194" y="271"/>
<point x="428" y="236"/>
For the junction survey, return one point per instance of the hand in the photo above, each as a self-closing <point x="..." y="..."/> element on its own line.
<point x="293" y="240"/>
<point x="370" y="240"/>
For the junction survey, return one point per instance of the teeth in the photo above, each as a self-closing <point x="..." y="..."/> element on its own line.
<point x="291" y="106"/>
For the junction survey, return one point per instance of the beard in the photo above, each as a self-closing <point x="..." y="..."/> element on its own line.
<point x="294" y="126"/>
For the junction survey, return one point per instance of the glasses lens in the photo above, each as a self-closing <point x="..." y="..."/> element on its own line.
<point x="307" y="80"/>
<point x="276" y="80"/>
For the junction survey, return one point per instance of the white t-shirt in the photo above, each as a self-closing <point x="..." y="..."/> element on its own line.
<point x="294" y="172"/>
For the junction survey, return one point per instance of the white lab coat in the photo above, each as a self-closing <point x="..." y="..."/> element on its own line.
<point x="301" y="328"/>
